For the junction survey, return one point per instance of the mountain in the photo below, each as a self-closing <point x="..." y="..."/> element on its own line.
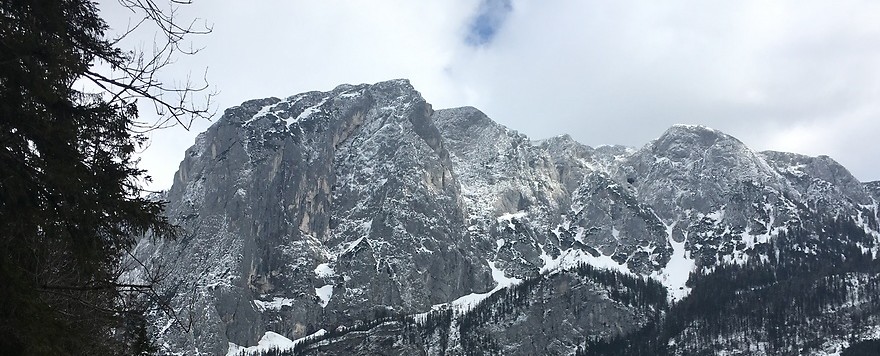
<point x="360" y="220"/>
<point x="873" y="189"/>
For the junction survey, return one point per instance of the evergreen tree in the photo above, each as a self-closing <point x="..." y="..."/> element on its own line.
<point x="70" y="203"/>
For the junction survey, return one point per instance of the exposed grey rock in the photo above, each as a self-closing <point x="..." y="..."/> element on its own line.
<point x="694" y="168"/>
<point x="357" y="178"/>
<point x="873" y="189"/>
<point x="325" y="209"/>
<point x="511" y="189"/>
<point x="822" y="182"/>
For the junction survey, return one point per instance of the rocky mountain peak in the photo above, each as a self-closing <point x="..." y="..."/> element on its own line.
<point x="331" y="210"/>
<point x="470" y="124"/>
<point x="564" y="145"/>
<point x="820" y="180"/>
<point x="692" y="167"/>
<point x="687" y="142"/>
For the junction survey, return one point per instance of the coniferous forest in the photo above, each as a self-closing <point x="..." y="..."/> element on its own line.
<point x="787" y="305"/>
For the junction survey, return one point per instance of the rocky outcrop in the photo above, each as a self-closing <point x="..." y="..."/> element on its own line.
<point x="318" y="209"/>
<point x="873" y="189"/>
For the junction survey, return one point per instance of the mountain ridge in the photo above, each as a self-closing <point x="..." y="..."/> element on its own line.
<point x="325" y="209"/>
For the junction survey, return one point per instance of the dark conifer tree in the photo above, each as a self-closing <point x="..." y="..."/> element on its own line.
<point x="70" y="202"/>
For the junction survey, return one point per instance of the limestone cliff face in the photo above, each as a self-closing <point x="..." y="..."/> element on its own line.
<point x="318" y="209"/>
<point x="548" y="204"/>
<point x="328" y="209"/>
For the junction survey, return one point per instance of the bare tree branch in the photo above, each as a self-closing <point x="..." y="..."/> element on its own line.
<point x="138" y="76"/>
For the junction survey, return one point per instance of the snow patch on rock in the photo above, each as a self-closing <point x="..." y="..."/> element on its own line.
<point x="275" y="304"/>
<point x="269" y="341"/>
<point x="675" y="274"/>
<point x="510" y="217"/>
<point x="501" y="278"/>
<point x="573" y="257"/>
<point x="467" y="302"/>
<point x="324" y="271"/>
<point x="324" y="293"/>
<point x="305" y="114"/>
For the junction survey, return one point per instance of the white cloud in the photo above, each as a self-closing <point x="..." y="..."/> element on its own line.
<point x="791" y="75"/>
<point x="622" y="72"/>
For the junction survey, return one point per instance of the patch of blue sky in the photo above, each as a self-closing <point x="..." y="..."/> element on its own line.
<point x="489" y="18"/>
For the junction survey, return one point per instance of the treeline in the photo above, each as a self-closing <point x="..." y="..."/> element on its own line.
<point x="628" y="289"/>
<point x="638" y="292"/>
<point x="433" y="328"/>
<point x="780" y="306"/>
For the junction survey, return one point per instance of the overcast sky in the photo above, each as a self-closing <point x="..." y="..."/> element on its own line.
<point x="799" y="76"/>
